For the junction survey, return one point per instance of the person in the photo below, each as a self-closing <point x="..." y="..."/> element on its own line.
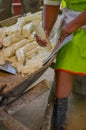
<point x="71" y="59"/>
<point x="27" y="6"/>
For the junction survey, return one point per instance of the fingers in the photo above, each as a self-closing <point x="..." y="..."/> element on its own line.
<point x="62" y="37"/>
<point x="41" y="42"/>
<point x="47" y="33"/>
<point x="64" y="33"/>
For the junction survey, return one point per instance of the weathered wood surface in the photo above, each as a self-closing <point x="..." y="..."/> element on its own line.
<point x="5" y="111"/>
<point x="46" y="125"/>
<point x="9" y="21"/>
<point x="10" y="122"/>
<point x="47" y="117"/>
<point x="8" y="81"/>
<point x="11" y="83"/>
<point x="29" y="96"/>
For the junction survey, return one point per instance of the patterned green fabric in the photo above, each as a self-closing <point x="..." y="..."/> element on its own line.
<point x="77" y="5"/>
<point x="53" y="0"/>
<point x="72" y="57"/>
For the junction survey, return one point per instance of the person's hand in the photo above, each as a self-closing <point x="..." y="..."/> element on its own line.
<point x="42" y="42"/>
<point x="67" y="30"/>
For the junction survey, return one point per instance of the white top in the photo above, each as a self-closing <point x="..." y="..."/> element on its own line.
<point x="52" y="2"/>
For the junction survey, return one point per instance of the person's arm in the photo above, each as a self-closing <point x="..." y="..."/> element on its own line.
<point x="50" y="13"/>
<point x="73" y="26"/>
<point x="80" y="20"/>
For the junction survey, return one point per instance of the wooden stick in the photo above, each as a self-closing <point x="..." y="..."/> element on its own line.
<point x="47" y="117"/>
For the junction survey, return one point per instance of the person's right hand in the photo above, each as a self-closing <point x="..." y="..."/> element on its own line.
<point x="42" y="42"/>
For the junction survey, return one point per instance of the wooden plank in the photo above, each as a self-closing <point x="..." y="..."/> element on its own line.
<point x="47" y="117"/>
<point x="29" y="96"/>
<point x="11" y="83"/>
<point x="10" y="122"/>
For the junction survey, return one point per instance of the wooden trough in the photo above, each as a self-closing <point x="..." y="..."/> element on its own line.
<point x="18" y="88"/>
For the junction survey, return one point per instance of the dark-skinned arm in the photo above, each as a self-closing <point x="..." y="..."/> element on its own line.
<point x="73" y="26"/>
<point x="49" y="17"/>
<point x="50" y="14"/>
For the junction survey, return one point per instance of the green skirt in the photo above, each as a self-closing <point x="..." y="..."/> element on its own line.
<point x="72" y="57"/>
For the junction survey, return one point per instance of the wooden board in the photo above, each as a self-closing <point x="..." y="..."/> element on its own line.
<point x="13" y="85"/>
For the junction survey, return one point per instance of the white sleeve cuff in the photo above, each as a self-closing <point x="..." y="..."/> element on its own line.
<point x="49" y="2"/>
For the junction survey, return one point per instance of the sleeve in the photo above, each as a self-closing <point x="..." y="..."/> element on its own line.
<point x="52" y="2"/>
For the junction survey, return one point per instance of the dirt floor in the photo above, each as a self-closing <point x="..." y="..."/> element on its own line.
<point x="32" y="114"/>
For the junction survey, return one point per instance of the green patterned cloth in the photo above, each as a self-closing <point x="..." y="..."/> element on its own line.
<point x="77" y="5"/>
<point x="72" y="57"/>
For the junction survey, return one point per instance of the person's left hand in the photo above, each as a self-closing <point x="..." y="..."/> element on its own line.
<point x="67" y="30"/>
